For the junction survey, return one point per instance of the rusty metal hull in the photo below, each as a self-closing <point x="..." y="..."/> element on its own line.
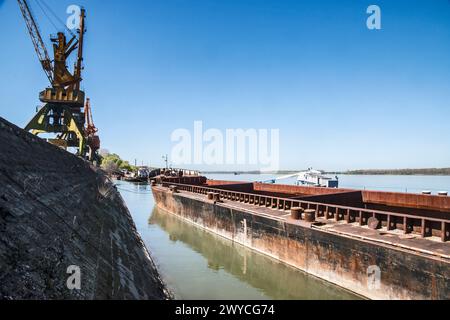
<point x="333" y="253"/>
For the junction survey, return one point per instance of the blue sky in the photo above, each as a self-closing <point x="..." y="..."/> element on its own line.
<point x="343" y="96"/>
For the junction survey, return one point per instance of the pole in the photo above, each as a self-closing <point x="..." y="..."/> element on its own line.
<point x="80" y="49"/>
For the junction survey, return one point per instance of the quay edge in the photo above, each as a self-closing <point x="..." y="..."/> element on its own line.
<point x="343" y="259"/>
<point x="58" y="211"/>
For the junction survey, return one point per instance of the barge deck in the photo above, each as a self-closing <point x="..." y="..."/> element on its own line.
<point x="408" y="249"/>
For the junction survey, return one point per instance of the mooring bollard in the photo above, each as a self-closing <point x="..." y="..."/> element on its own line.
<point x="310" y="215"/>
<point x="153" y="183"/>
<point x="296" y="213"/>
<point x="173" y="189"/>
<point x="213" y="196"/>
<point x="373" y="223"/>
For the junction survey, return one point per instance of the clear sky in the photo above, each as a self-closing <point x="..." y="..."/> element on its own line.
<point x="343" y="96"/>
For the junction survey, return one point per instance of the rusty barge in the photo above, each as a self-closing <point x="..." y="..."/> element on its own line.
<point x="380" y="245"/>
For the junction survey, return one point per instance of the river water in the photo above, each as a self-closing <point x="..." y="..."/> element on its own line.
<point x="197" y="264"/>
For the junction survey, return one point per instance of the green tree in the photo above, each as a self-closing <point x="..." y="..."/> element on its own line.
<point x="113" y="162"/>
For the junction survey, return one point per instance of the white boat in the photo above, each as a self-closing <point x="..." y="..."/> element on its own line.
<point x="316" y="178"/>
<point x="311" y="178"/>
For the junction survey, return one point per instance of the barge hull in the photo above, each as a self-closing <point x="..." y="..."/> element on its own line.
<point x="342" y="260"/>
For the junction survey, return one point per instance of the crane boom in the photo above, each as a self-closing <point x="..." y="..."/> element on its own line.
<point x="89" y="122"/>
<point x="36" y="38"/>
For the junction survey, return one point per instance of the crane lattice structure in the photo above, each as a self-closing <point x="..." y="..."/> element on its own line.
<point x="63" y="112"/>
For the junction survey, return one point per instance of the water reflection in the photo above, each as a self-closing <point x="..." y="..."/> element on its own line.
<point x="272" y="278"/>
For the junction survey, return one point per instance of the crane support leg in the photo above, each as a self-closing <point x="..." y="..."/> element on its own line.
<point x="58" y="119"/>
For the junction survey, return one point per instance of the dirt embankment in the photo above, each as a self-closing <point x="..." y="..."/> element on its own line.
<point x="57" y="214"/>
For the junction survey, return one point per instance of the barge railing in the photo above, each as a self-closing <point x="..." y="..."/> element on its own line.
<point x="425" y="226"/>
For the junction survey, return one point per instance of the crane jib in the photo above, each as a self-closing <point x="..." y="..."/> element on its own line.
<point x="36" y="38"/>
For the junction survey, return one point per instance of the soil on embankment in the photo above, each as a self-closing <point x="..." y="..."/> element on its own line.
<point x="57" y="211"/>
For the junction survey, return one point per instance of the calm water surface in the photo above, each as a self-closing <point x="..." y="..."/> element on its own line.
<point x="197" y="264"/>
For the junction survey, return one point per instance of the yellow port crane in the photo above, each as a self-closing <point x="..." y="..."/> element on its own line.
<point x="63" y="112"/>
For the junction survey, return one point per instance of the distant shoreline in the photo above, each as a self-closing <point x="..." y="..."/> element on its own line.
<point x="402" y="172"/>
<point x="371" y="172"/>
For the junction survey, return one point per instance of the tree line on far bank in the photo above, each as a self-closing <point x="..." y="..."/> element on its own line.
<point x="402" y="172"/>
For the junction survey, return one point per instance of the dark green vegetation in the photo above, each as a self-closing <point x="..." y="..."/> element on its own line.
<point x="113" y="162"/>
